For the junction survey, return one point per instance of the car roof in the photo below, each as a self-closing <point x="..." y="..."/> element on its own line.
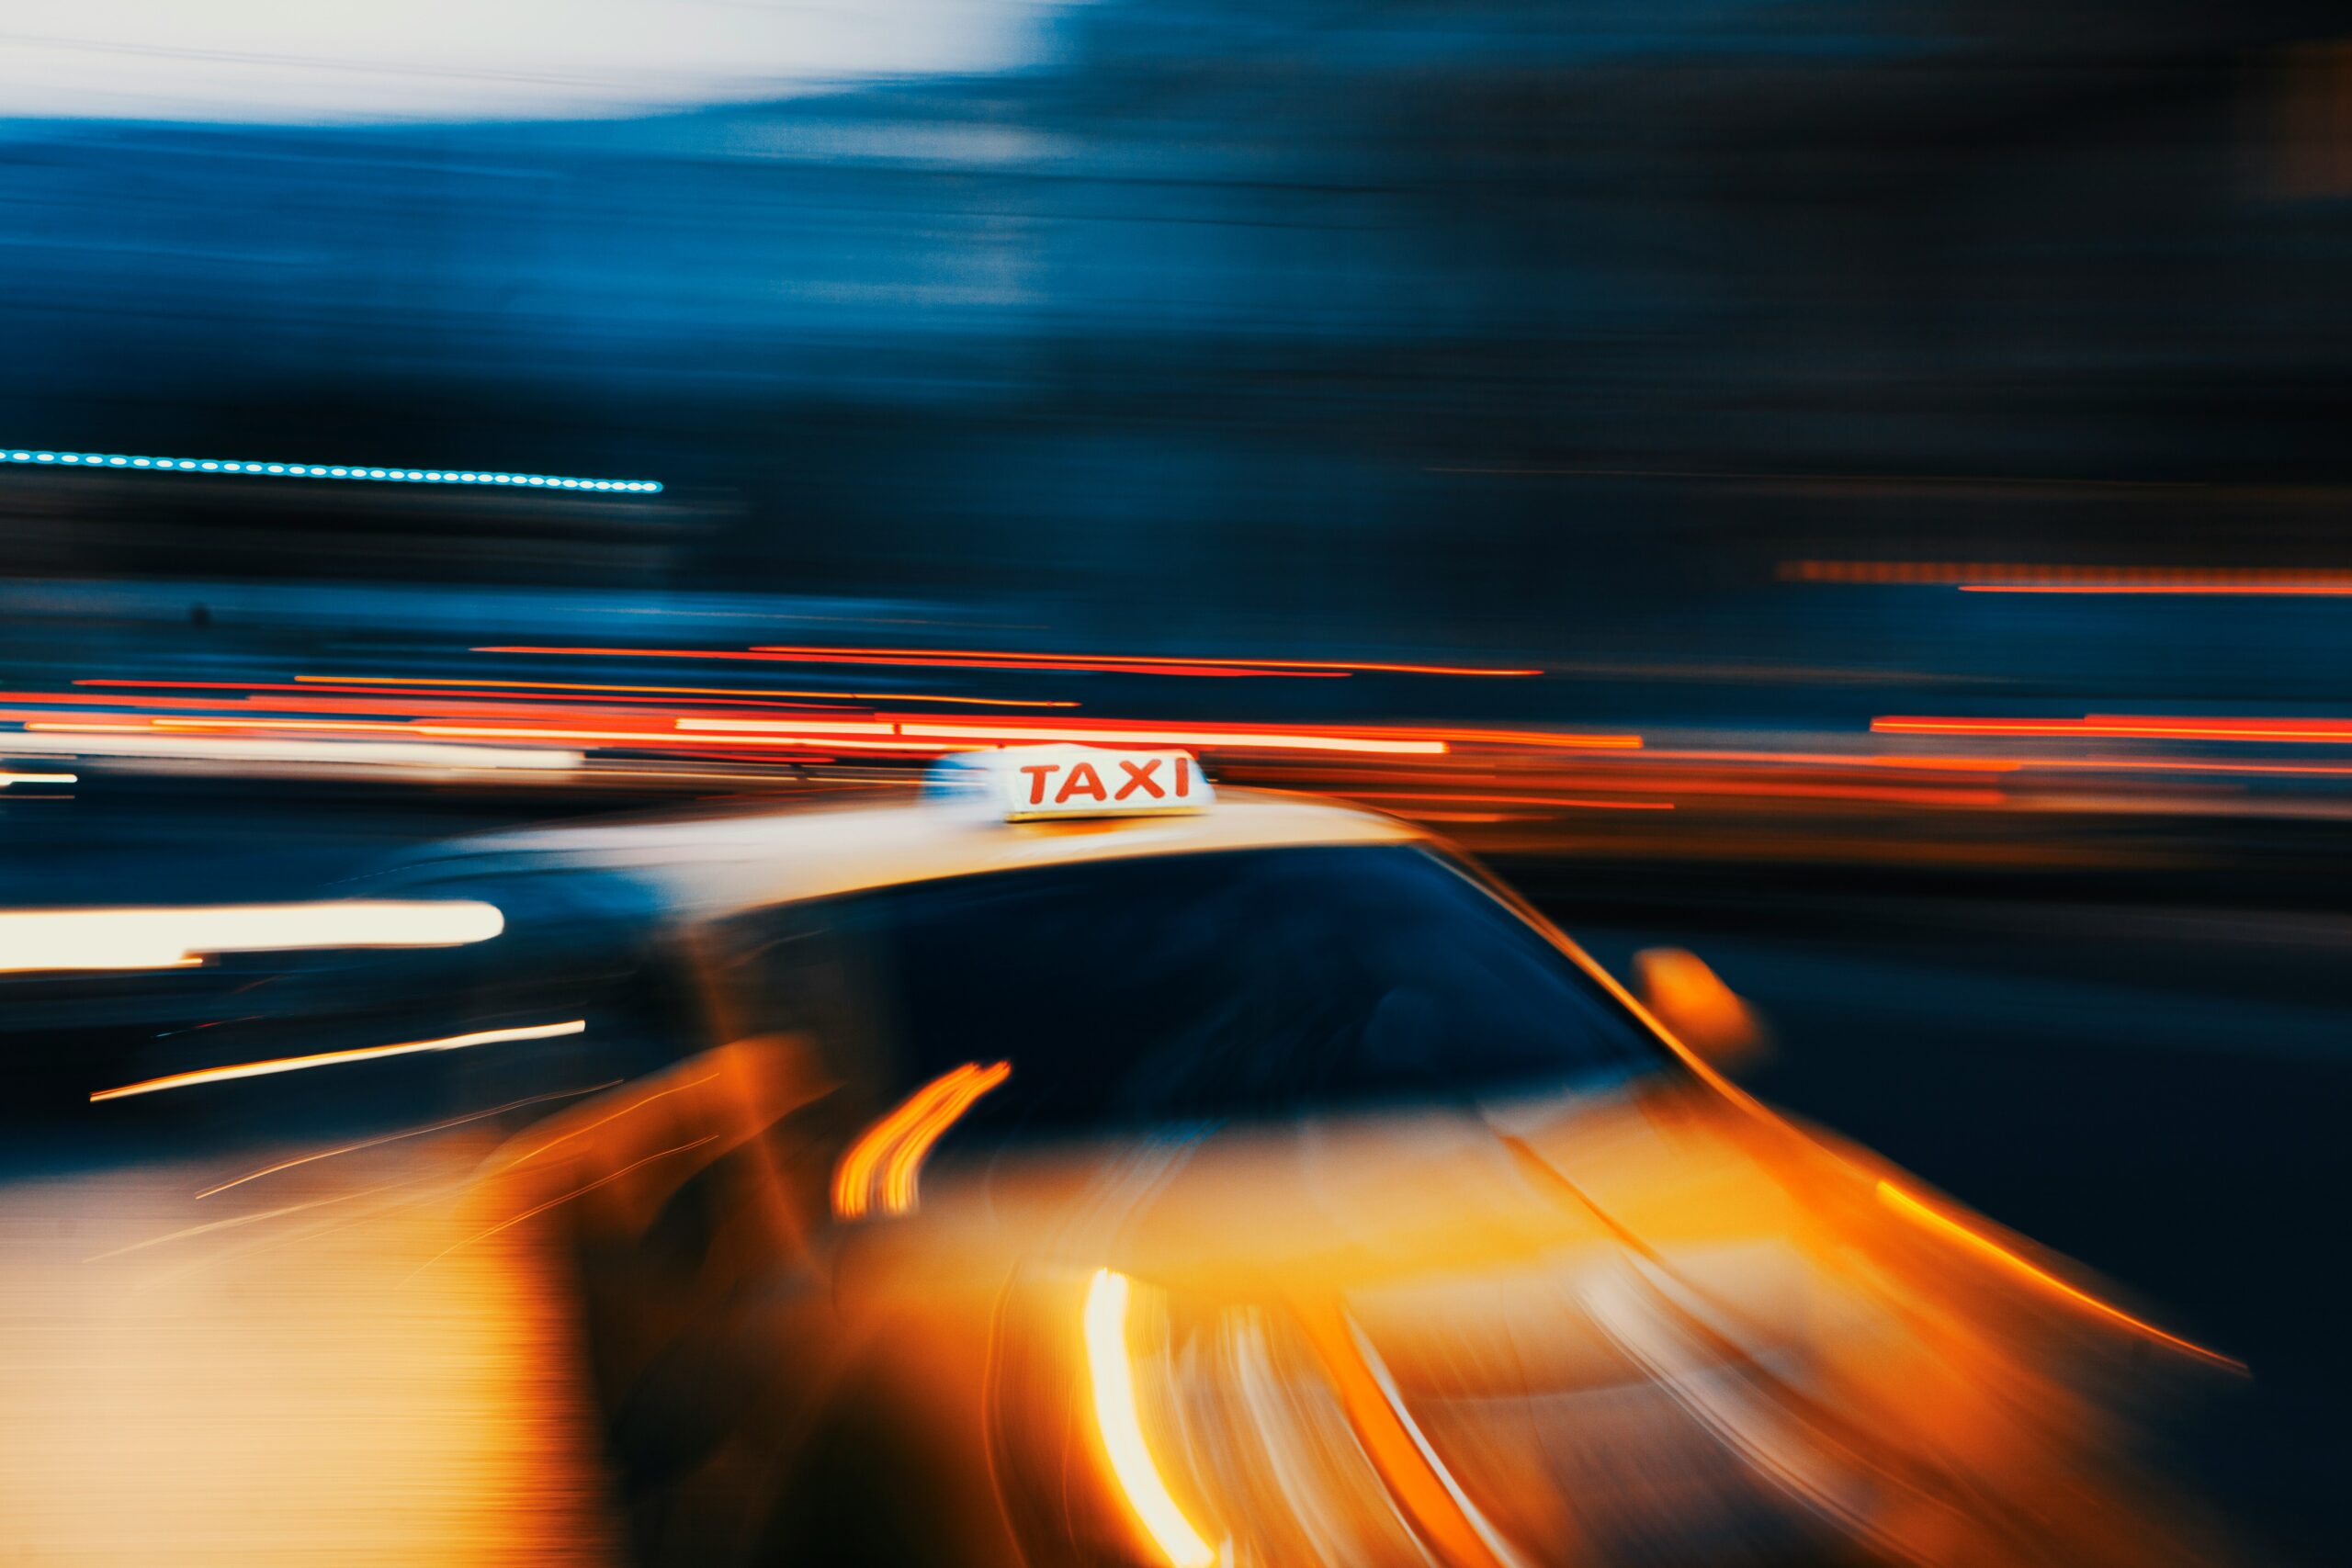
<point x="707" y="865"/>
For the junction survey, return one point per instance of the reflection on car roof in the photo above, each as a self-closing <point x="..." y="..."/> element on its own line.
<point x="712" y="864"/>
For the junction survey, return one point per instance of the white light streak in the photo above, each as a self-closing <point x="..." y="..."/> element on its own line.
<point x="65" y="941"/>
<point x="33" y="456"/>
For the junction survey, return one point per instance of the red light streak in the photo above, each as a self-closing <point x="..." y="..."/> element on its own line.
<point x="395" y="682"/>
<point x="2116" y="765"/>
<point x="2198" y="590"/>
<point x="1469" y="799"/>
<point x="2131" y="726"/>
<point x="1269" y="739"/>
<point x="2016" y="577"/>
<point x="686" y="691"/>
<point x="489" y="712"/>
<point x="642" y="739"/>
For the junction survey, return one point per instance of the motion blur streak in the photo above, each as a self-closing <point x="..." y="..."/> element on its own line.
<point x="854" y="1177"/>
<point x="347" y="472"/>
<point x="2134" y="727"/>
<point x="1980" y="577"/>
<point x="594" y="686"/>
<point x="1952" y="1230"/>
<point x="1141" y="663"/>
<point x="1417" y="1478"/>
<point x="2218" y="588"/>
<point x="800" y="727"/>
<point x="942" y="662"/>
<point x="137" y="740"/>
<point x="503" y="732"/>
<point x="903" y="1166"/>
<point x="641" y="739"/>
<point x="338" y="1059"/>
<point x="1110" y="1374"/>
<point x="404" y="1135"/>
<point x="1271" y="740"/>
<point x="1274" y="740"/>
<point x="559" y="1200"/>
<point x="293" y="1402"/>
<point x="2115" y="764"/>
<point x="7" y="780"/>
<point x="33" y="939"/>
<point x="623" y="1113"/>
<point x="1516" y="800"/>
<point x="978" y="659"/>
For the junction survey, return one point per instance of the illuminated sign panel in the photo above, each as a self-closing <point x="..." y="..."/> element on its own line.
<point x="1029" y="784"/>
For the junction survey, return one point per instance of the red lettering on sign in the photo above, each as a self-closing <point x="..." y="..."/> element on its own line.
<point x="1139" y="778"/>
<point x="1184" y="777"/>
<point x="1037" y="772"/>
<point x="1082" y="780"/>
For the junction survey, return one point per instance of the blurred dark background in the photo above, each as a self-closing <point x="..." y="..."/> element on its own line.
<point x="1556" y="327"/>
<point x="1693" y="354"/>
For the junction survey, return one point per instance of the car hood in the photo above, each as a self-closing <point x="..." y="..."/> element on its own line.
<point x="1646" y="1325"/>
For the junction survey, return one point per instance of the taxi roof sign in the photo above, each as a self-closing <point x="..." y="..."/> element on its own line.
<point x="1033" y="783"/>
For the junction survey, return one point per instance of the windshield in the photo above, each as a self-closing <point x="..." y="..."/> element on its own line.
<point x="1195" y="988"/>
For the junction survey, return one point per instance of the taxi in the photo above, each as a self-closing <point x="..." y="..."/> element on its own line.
<point x="1081" y="1163"/>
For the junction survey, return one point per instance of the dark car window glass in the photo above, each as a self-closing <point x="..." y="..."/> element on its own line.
<point x="1190" y="988"/>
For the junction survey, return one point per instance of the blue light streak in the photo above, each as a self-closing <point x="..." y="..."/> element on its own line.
<point x="344" y="471"/>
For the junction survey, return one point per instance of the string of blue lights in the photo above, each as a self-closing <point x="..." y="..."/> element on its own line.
<point x="344" y="471"/>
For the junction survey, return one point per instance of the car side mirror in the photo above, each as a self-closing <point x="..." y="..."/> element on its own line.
<point x="1702" y="1012"/>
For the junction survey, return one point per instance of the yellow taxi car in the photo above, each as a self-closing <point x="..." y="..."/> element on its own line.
<point x="1081" y="1163"/>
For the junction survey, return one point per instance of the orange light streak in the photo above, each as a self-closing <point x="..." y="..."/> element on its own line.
<point x="2131" y="726"/>
<point x="1415" y="741"/>
<point x="1983" y="1246"/>
<point x="680" y="691"/>
<point x="1416" y="1477"/>
<point x="1684" y="783"/>
<point x="1473" y="799"/>
<point x="1151" y="661"/>
<point x="853" y="1177"/>
<point x="1899" y="795"/>
<point x="944" y="661"/>
<point x="656" y="728"/>
<point x="903" y="1166"/>
<point x="979" y="658"/>
<point x="1549" y="739"/>
<point x="1271" y="740"/>
<point x="629" y="1109"/>
<point x="330" y="696"/>
<point x="338" y="1059"/>
<point x="649" y="739"/>
<point x="364" y="1144"/>
<point x="580" y="1191"/>
<point x="2117" y="765"/>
